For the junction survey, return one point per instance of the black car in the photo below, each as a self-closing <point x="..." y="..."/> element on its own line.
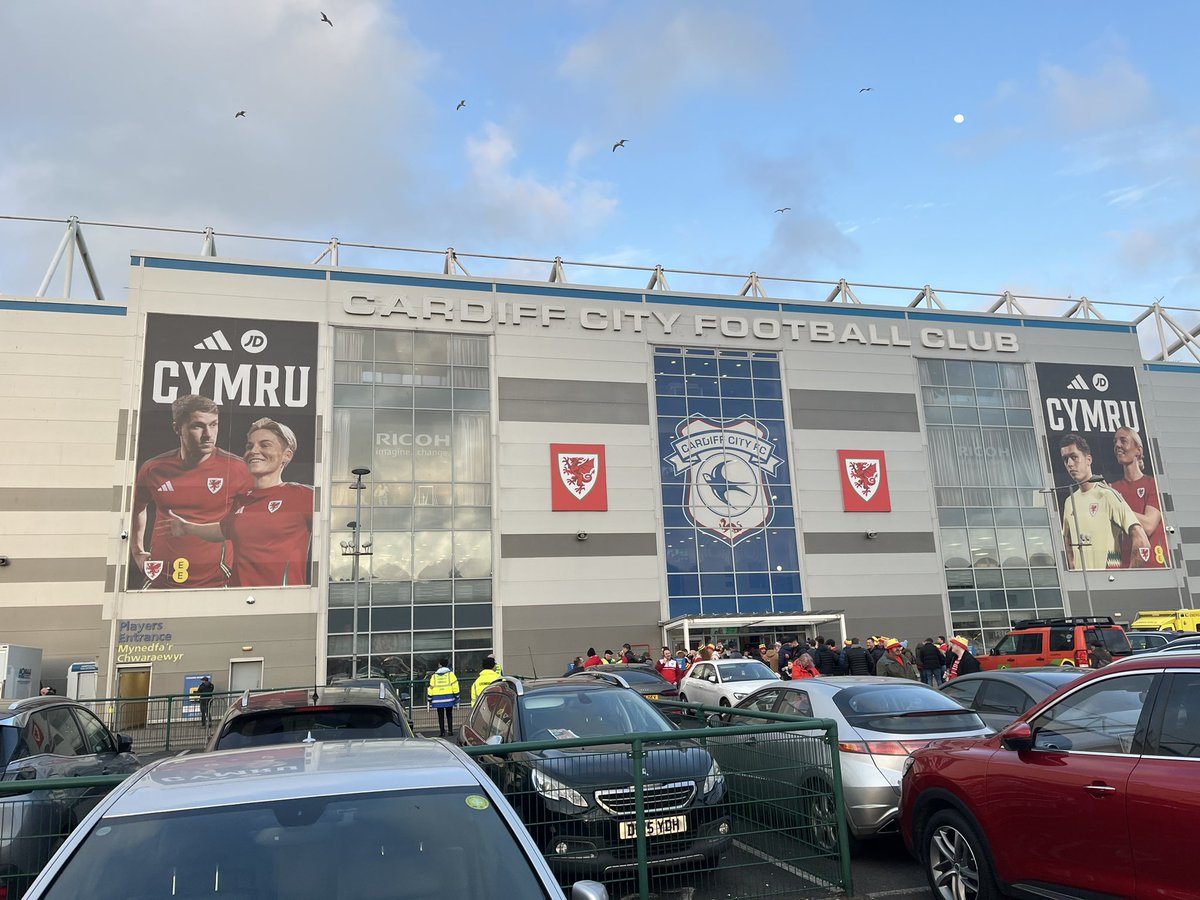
<point x="642" y="677"/>
<point x="50" y="737"/>
<point x="578" y="802"/>
<point x="1000" y="696"/>
<point x="1149" y="641"/>
<point x="333" y="713"/>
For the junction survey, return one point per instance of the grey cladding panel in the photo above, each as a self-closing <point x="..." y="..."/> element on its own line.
<point x="1193" y="568"/>
<point x="579" y="413"/>
<point x="23" y="499"/>
<point x="28" y="571"/>
<point x="858" y="542"/>
<point x="1189" y="535"/>
<point x="536" y="546"/>
<point x="853" y="411"/>
<point x="562" y="400"/>
<point x="561" y="389"/>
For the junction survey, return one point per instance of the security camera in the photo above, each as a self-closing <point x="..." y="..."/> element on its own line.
<point x="1170" y="529"/>
<point x="250" y="601"/>
<point x="1112" y="577"/>
<point x="581" y="535"/>
<point x="124" y="535"/>
<point x="871" y="535"/>
<point x="3" y="560"/>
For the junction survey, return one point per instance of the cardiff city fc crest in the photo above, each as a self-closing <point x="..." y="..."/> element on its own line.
<point x="727" y="464"/>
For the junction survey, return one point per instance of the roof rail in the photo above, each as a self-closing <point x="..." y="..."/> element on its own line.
<point x="1066" y="620"/>
<point x="246" y="698"/>
<point x="518" y="686"/>
<point x="606" y="676"/>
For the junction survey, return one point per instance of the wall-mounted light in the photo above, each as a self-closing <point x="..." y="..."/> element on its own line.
<point x="871" y="535"/>
<point x="247" y="648"/>
<point x="581" y="535"/>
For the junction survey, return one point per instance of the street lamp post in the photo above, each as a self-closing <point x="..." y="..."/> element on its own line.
<point x="1074" y="487"/>
<point x="355" y="549"/>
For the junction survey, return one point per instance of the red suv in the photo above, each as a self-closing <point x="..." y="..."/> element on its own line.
<point x="1088" y="794"/>
<point x="1056" y="642"/>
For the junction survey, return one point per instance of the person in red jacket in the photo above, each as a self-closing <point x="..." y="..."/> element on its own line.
<point x="668" y="666"/>
<point x="592" y="659"/>
<point x="804" y="668"/>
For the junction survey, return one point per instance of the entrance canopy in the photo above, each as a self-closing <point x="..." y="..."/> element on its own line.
<point x="681" y="628"/>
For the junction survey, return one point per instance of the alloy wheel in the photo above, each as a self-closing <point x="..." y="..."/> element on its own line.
<point x="954" y="871"/>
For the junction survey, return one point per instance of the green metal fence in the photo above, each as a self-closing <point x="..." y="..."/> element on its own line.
<point x="35" y="817"/>
<point x="651" y="813"/>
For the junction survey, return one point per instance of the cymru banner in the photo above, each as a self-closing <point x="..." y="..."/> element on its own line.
<point x="223" y="494"/>
<point x="1108" y="501"/>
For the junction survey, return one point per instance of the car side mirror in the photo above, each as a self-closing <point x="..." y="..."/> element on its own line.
<point x="715" y="720"/>
<point x="124" y="743"/>
<point x="712" y="678"/>
<point x="588" y="890"/>
<point x="1017" y="736"/>
<point x="494" y="740"/>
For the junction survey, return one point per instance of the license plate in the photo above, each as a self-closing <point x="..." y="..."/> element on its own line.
<point x="652" y="696"/>
<point x="655" y="827"/>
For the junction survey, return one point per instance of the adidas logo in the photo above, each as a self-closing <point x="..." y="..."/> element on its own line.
<point x="215" y="341"/>
<point x="1078" y="383"/>
<point x="166" y="486"/>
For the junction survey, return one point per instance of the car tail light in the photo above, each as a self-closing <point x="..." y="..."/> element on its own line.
<point x="1081" y="658"/>
<point x="882" y="748"/>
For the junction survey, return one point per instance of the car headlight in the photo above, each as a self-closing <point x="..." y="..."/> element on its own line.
<point x="553" y="789"/>
<point x="714" y="779"/>
<point x="740" y="696"/>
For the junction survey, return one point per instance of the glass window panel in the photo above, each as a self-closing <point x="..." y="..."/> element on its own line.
<point x="937" y="415"/>
<point x="472" y="554"/>
<point x="394" y="346"/>
<point x="943" y="457"/>
<point x="750" y="555"/>
<point x="1011" y="543"/>
<point x="389" y="373"/>
<point x="394" y="445"/>
<point x="350" y="372"/>
<point x="992" y="398"/>
<point x="785" y="582"/>
<point x="340" y="644"/>
<point x="464" y="399"/>
<point x="998" y="454"/>
<point x="1009" y="517"/>
<point x="962" y="396"/>
<point x="972" y="460"/>
<point x="738" y="388"/>
<point x="1008" y="497"/>
<point x="341" y="620"/>
<point x="354" y="343"/>
<point x="703" y="387"/>
<point x="1012" y="376"/>
<point x="976" y="497"/>
<point x="466" y="591"/>
<point x="425" y="641"/>
<point x="1027" y="464"/>
<point x="431" y="555"/>
<point x="964" y="416"/>
<point x="993" y="600"/>
<point x="391" y="618"/>
<point x="432" y="349"/>
<point x="342" y="594"/>
<point x="767" y="390"/>
<point x="472" y="446"/>
<point x="431" y="518"/>
<point x="733" y="367"/>
<point x="341" y="567"/>
<point x="1045" y="577"/>
<point x="472" y="495"/>
<point x="983" y="547"/>
<point x="474" y="639"/>
<point x="352" y="438"/>
<point x="1048" y="597"/>
<point x="431" y="376"/>
<point x="717" y="583"/>
<point x="389" y="396"/>
<point x="393" y="519"/>
<point x="963" y="601"/>
<point x="470" y="378"/>
<point x="425" y="617"/>
<point x="781" y="550"/>
<point x="342" y="517"/>
<point x="385" y="644"/>
<point x="959" y="372"/>
<point x="1041" y="550"/>
<point x="949" y="496"/>
<point x="699" y="365"/>
<point x="954" y="515"/>
<point x="391" y="592"/>
<point x="992" y="417"/>
<point x="764" y="368"/>
<point x="714" y="554"/>
<point x="1034" y="515"/>
<point x="955" y="553"/>
<point x="433" y="398"/>
<point x="431" y="495"/>
<point x="468" y="350"/>
<point x="935" y="396"/>
<point x="1016" y="399"/>
<point x="988" y="578"/>
<point x="1019" y="417"/>
<point x="681" y="550"/>
<point x="432" y="436"/>
<point x="391" y="558"/>
<point x="960" y="578"/>
<point x="390" y="494"/>
<point x="473" y="615"/>
<point x="933" y="371"/>
<point x="1017" y="578"/>
<point x="987" y="375"/>
<point x="980" y="517"/>
<point x="472" y="518"/>
<point x="433" y="591"/>
<point x="1020" y="599"/>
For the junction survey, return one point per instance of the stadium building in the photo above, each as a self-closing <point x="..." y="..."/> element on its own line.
<point x="275" y="473"/>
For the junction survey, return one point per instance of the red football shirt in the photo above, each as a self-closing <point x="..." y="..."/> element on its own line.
<point x="271" y="530"/>
<point x="202" y="493"/>
<point x="1140" y="494"/>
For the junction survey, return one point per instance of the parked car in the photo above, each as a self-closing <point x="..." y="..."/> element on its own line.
<point x="354" y="819"/>
<point x="1086" y="794"/>
<point x="642" y="677"/>
<point x="999" y="696"/>
<point x="578" y="803"/>
<point x="50" y="737"/>
<point x="1187" y="642"/>
<point x="723" y="682"/>
<point x="879" y="722"/>
<point x="1148" y="641"/>
<point x="333" y="713"/>
<point x="1056" y="642"/>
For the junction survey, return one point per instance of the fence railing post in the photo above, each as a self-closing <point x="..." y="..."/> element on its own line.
<point x="167" y="738"/>
<point x="638" y="754"/>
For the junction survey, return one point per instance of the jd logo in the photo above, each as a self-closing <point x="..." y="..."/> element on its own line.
<point x="254" y="341"/>
<point x="726" y="464"/>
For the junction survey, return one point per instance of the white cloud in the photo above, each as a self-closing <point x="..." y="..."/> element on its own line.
<point x="1133" y="194"/>
<point x="1116" y="94"/>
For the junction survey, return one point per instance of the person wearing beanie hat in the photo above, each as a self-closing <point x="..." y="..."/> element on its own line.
<point x="964" y="662"/>
<point x="894" y="664"/>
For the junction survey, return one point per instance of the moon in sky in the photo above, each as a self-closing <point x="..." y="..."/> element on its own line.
<point x="959" y="118"/>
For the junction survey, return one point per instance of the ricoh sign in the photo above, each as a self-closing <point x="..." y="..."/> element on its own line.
<point x="437" y="311"/>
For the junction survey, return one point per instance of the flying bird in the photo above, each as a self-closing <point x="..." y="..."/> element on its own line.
<point x="461" y="104"/>
<point x="326" y="20"/>
<point x="864" y="90"/>
<point x="241" y="114"/>
<point x="620" y="143"/>
<point x="783" y="209"/>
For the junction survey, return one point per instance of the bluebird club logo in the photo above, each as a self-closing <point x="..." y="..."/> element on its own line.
<point x="727" y="464"/>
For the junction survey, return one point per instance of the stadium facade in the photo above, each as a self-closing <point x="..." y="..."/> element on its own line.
<point x="552" y="467"/>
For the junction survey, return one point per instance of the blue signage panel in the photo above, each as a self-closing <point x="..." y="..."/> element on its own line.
<point x="729" y="520"/>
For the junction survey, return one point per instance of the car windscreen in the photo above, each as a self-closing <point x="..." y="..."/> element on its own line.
<point x="1115" y="640"/>
<point x="903" y="709"/>
<point x="746" y="671"/>
<point x="561" y="715"/>
<point x="1058" y="677"/>
<point x="437" y="842"/>
<point x="10" y="740"/>
<point x="337" y="723"/>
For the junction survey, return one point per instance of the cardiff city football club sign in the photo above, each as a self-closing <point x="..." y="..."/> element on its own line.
<point x="864" y="481"/>
<point x="577" y="478"/>
<point x="727" y="464"/>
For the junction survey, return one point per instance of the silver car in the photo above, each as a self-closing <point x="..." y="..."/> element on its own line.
<point x="356" y="819"/>
<point x="879" y="722"/>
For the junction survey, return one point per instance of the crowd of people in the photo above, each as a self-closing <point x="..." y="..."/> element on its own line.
<point x="932" y="661"/>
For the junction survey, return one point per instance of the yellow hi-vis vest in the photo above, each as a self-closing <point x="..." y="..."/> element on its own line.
<point x="486" y="677"/>
<point x="443" y="689"/>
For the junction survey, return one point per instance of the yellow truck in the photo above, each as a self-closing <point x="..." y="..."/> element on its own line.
<point x="1167" y="620"/>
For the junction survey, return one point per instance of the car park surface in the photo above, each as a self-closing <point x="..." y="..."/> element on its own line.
<point x="336" y="712"/>
<point x="1089" y="793"/>
<point x="879" y="720"/>
<point x="375" y="819"/>
<point x="1001" y="695"/>
<point x="723" y="682"/>
<point x="50" y="737"/>
<point x="578" y="802"/>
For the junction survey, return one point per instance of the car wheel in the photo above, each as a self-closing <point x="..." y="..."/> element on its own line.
<point x="683" y="698"/>
<point x="956" y="860"/>
<point x="724" y="702"/>
<point x="822" y="825"/>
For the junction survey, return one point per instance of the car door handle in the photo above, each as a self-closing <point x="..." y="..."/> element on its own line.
<point x="1098" y="789"/>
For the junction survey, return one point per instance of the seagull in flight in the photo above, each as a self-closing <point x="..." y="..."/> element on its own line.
<point x="783" y="209"/>
<point x="461" y="104"/>
<point x="240" y="114"/>
<point x="864" y="90"/>
<point x="620" y="143"/>
<point x="328" y="21"/>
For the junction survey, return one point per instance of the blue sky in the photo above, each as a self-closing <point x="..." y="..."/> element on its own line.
<point x="1076" y="170"/>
